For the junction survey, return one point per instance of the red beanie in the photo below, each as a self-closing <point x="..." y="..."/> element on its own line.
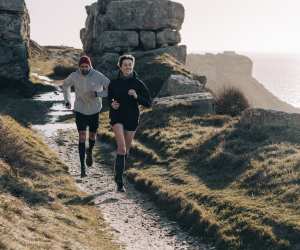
<point x="86" y="60"/>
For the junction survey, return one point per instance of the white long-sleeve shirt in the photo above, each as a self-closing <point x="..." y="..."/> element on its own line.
<point x="84" y="85"/>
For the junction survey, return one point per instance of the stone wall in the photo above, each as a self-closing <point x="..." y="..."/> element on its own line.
<point x="14" y="42"/>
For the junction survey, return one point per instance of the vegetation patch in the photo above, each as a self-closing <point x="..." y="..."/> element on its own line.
<point x="235" y="186"/>
<point x="37" y="198"/>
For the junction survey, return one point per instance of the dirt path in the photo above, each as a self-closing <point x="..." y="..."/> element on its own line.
<point x="135" y="221"/>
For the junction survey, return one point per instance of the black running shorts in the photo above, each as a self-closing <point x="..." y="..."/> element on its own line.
<point x="130" y="123"/>
<point x="84" y="121"/>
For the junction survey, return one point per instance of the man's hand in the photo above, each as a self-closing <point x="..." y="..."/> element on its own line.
<point x="133" y="93"/>
<point x="115" y="105"/>
<point x="68" y="105"/>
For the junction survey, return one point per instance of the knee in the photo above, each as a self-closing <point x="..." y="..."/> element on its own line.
<point x="122" y="149"/>
<point x="82" y="138"/>
<point x="92" y="136"/>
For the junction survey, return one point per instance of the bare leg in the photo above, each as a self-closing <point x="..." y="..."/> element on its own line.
<point x="129" y="135"/>
<point x="120" y="138"/>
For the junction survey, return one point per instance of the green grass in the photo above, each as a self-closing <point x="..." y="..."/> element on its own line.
<point x="237" y="186"/>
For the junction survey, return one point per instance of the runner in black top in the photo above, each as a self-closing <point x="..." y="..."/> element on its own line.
<point x="125" y="94"/>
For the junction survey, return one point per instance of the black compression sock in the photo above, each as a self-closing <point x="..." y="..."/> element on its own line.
<point x="81" y="147"/>
<point x="91" y="144"/>
<point x="119" y="168"/>
<point x="120" y="161"/>
<point x="125" y="158"/>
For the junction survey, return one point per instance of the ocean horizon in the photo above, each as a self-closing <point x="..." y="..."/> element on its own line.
<point x="279" y="73"/>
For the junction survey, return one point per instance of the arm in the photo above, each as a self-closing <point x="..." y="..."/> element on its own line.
<point x="110" y="95"/>
<point x="66" y="87"/>
<point x="143" y="95"/>
<point x="104" y="82"/>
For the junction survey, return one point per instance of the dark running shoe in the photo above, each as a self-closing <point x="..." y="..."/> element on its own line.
<point x="121" y="188"/>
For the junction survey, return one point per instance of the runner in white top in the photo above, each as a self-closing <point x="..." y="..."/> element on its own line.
<point x="90" y="86"/>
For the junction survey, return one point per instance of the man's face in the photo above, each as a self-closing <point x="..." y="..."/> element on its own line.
<point x="84" y="69"/>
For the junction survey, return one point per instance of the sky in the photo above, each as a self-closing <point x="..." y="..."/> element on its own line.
<point x="262" y="26"/>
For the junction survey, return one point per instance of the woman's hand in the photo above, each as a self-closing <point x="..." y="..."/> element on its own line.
<point x="133" y="93"/>
<point x="115" y="105"/>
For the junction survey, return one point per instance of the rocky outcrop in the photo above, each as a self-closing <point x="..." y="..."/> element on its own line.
<point x="272" y="118"/>
<point x="141" y="27"/>
<point x="204" y="101"/>
<point x="232" y="70"/>
<point x="156" y="72"/>
<point x="14" y="42"/>
<point x="180" y="85"/>
<point x="150" y="31"/>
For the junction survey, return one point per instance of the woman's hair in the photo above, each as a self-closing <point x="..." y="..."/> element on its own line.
<point x="125" y="57"/>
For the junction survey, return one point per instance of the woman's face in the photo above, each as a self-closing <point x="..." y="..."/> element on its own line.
<point x="127" y="67"/>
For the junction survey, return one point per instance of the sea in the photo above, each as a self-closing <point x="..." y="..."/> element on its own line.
<point x="279" y="73"/>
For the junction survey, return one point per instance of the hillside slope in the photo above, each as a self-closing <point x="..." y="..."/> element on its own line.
<point x="236" y="184"/>
<point x="40" y="206"/>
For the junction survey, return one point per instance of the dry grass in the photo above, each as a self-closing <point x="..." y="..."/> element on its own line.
<point x="40" y="206"/>
<point x="237" y="186"/>
<point x="55" y="62"/>
<point x="231" y="101"/>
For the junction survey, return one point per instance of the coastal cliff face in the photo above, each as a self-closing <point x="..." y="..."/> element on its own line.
<point x="232" y="70"/>
<point x="14" y="42"/>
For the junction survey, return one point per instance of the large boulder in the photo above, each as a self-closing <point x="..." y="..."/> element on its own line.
<point x="107" y="63"/>
<point x="177" y="52"/>
<point x="117" y="41"/>
<point x="12" y="6"/>
<point x="148" y="40"/>
<point x="204" y="101"/>
<point x="88" y="34"/>
<point x="139" y="27"/>
<point x="272" y="118"/>
<point x="13" y="27"/>
<point x="168" y="37"/>
<point x="180" y="85"/>
<point x="102" y="5"/>
<point x="146" y="29"/>
<point x="14" y="42"/>
<point x="145" y="15"/>
<point x="156" y="70"/>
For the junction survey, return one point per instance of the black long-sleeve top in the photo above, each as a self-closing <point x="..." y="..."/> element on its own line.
<point x="129" y="106"/>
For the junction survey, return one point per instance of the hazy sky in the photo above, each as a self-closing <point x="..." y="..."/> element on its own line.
<point x="210" y="25"/>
